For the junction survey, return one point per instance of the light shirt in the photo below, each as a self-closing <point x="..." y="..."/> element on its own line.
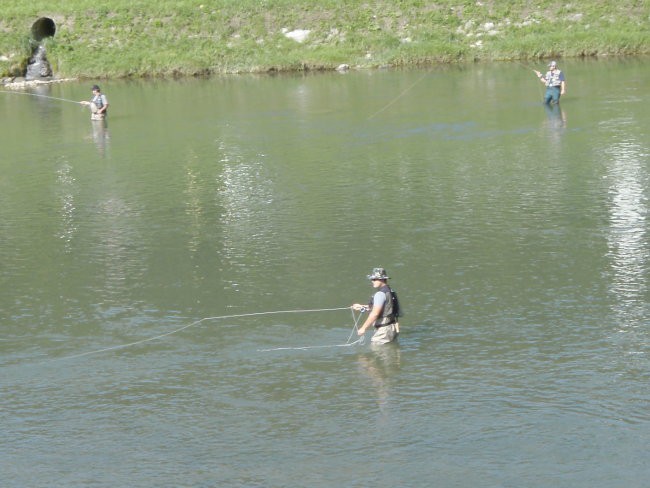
<point x="379" y="299"/>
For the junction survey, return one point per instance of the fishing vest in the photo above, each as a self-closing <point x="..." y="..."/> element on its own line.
<point x="391" y="307"/>
<point x="554" y="78"/>
<point x="98" y="100"/>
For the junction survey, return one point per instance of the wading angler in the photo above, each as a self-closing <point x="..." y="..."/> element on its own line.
<point x="98" y="104"/>
<point x="383" y="309"/>
<point x="554" y="81"/>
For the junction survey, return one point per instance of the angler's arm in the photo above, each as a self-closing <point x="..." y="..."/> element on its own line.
<point x="374" y="314"/>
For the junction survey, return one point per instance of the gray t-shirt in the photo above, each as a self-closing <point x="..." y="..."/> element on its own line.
<point x="379" y="299"/>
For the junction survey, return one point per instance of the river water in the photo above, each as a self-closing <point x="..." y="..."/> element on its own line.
<point x="174" y="284"/>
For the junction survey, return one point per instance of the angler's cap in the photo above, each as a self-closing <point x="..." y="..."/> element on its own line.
<point x="378" y="274"/>
<point x="552" y="64"/>
<point x="96" y="88"/>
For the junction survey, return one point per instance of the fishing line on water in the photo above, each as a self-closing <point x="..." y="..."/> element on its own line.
<point x="361" y="340"/>
<point x="196" y="322"/>
<point x="398" y="96"/>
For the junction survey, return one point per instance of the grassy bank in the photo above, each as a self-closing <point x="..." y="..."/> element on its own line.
<point x="194" y="37"/>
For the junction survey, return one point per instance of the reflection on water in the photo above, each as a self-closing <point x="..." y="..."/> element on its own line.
<point x="381" y="364"/>
<point x="628" y="231"/>
<point x="555" y="116"/>
<point x="193" y="204"/>
<point x="118" y="249"/>
<point x="246" y="194"/>
<point x="101" y="136"/>
<point x="555" y="123"/>
<point x="517" y="245"/>
<point x="66" y="193"/>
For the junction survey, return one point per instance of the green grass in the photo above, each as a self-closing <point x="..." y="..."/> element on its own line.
<point x="141" y="38"/>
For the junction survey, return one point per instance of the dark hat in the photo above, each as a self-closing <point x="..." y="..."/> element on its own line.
<point x="96" y="87"/>
<point x="378" y="274"/>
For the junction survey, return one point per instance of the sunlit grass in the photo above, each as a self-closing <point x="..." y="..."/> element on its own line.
<point x="191" y="37"/>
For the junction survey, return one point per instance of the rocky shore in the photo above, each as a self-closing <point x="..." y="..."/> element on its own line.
<point x="18" y="83"/>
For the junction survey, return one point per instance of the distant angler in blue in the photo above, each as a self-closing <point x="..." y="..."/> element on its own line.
<point x="554" y="82"/>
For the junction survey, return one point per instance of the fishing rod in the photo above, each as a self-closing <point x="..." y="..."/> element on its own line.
<point x="41" y="96"/>
<point x="528" y="68"/>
